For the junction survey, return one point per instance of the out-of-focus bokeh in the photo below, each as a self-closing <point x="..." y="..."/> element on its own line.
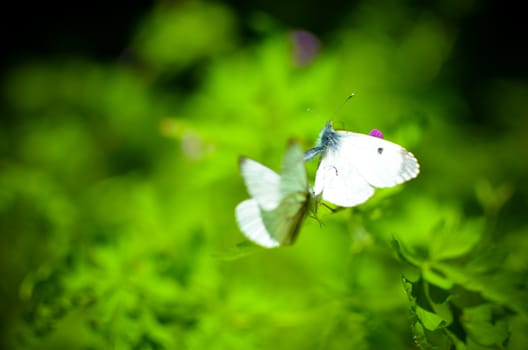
<point x="119" y="139"/>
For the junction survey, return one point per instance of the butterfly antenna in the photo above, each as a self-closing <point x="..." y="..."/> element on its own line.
<point x="343" y="104"/>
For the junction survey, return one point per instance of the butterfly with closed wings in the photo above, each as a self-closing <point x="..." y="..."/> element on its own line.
<point x="279" y="203"/>
<point x="352" y="165"/>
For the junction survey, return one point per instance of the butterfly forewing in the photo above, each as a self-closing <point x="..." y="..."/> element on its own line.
<point x="293" y="177"/>
<point x="263" y="184"/>
<point x="380" y="162"/>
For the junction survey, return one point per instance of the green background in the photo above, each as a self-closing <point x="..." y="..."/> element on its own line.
<point x="119" y="179"/>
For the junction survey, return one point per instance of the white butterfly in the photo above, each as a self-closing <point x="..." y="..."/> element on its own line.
<point x="273" y="216"/>
<point x="352" y="165"/>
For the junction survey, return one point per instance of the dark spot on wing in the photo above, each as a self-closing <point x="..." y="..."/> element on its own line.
<point x="380" y="150"/>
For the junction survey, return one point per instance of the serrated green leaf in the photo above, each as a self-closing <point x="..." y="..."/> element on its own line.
<point x="432" y="340"/>
<point x="419" y="336"/>
<point x="417" y="294"/>
<point x="432" y="315"/>
<point x="430" y="320"/>
<point x="443" y="309"/>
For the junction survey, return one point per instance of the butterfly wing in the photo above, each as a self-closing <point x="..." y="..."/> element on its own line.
<point x="263" y="184"/>
<point x="339" y="181"/>
<point x="381" y="163"/>
<point x="293" y="178"/>
<point x="249" y="218"/>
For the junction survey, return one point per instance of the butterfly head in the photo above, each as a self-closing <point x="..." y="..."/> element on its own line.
<point x="328" y="138"/>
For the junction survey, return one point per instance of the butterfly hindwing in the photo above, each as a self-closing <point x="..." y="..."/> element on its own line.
<point x="249" y="218"/>
<point x="339" y="181"/>
<point x="263" y="184"/>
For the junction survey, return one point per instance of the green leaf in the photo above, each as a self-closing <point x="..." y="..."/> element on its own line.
<point x="405" y="254"/>
<point x="432" y="315"/>
<point x="455" y="240"/>
<point x="492" y="199"/>
<point x="442" y="309"/>
<point x="486" y="325"/>
<point x="430" y="320"/>
<point x="506" y="288"/>
<point x="426" y="339"/>
<point x="435" y="276"/>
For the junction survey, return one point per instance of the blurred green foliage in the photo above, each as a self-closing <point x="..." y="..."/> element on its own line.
<point x="118" y="187"/>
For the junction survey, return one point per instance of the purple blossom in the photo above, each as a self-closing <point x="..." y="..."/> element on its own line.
<point x="376" y="133"/>
<point x="305" y="47"/>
